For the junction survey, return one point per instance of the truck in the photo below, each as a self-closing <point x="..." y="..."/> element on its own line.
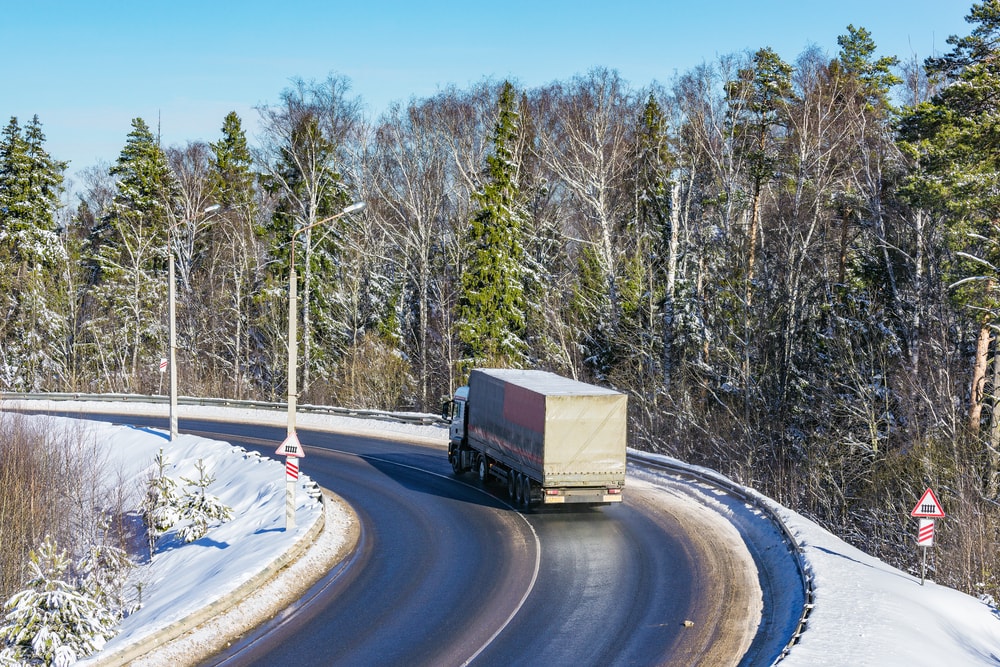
<point x="549" y="439"/>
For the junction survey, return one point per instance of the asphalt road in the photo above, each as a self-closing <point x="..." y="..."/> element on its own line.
<point x="446" y="573"/>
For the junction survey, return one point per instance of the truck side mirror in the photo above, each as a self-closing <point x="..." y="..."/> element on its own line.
<point x="446" y="410"/>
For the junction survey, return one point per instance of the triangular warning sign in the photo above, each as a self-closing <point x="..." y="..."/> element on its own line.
<point x="928" y="506"/>
<point x="291" y="447"/>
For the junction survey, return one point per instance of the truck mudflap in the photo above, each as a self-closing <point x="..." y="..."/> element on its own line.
<point x="558" y="496"/>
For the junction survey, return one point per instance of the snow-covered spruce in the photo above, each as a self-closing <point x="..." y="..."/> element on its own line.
<point x="161" y="506"/>
<point x="195" y="511"/>
<point x="104" y="574"/>
<point x="52" y="622"/>
<point x="200" y="509"/>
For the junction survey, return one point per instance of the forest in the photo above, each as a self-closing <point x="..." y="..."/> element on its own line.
<point x="789" y="266"/>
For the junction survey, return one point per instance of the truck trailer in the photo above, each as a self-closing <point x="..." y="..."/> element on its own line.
<point x="549" y="439"/>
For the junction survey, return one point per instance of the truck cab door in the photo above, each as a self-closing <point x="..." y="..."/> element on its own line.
<point x="456" y="430"/>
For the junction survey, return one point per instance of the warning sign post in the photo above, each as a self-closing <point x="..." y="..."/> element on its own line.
<point x="927" y="509"/>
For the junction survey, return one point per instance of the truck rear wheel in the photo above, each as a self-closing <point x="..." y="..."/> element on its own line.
<point x="525" y="492"/>
<point x="484" y="469"/>
<point x="512" y="485"/>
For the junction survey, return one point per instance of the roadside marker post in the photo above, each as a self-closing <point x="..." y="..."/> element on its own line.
<point x="292" y="450"/>
<point x="163" y="368"/>
<point x="927" y="509"/>
<point x="925" y="533"/>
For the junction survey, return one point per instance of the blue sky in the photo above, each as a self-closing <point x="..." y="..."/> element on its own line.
<point x="87" y="68"/>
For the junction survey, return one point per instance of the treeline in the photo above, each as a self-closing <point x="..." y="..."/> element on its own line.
<point x="789" y="266"/>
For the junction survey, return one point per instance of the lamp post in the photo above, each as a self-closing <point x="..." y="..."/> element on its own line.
<point x="173" y="331"/>
<point x="293" y="347"/>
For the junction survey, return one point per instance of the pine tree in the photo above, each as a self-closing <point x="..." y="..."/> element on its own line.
<point x="53" y="621"/>
<point x="856" y="59"/>
<point x="200" y="509"/>
<point x="758" y="98"/>
<point x="31" y="257"/>
<point x="758" y="101"/>
<point x="865" y="84"/>
<point x="128" y="250"/>
<point x="952" y="140"/>
<point x="234" y="257"/>
<point x="232" y="178"/>
<point x="161" y="506"/>
<point x="104" y="571"/>
<point x="492" y="309"/>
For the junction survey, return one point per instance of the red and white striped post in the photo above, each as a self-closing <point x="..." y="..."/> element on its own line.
<point x="925" y="533"/>
<point x="292" y="450"/>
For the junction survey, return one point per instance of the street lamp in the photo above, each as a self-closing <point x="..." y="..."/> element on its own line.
<point x="173" y="331"/>
<point x="290" y="448"/>
<point x="293" y="313"/>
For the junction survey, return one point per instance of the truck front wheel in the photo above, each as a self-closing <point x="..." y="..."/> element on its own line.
<point x="456" y="463"/>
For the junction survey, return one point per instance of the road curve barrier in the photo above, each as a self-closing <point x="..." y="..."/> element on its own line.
<point x="416" y="418"/>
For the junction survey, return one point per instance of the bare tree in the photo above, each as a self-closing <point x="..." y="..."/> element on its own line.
<point x="303" y="153"/>
<point x="411" y="186"/>
<point x="586" y="139"/>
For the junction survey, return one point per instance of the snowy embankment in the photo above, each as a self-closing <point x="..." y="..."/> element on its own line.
<point x="182" y="584"/>
<point x="865" y="612"/>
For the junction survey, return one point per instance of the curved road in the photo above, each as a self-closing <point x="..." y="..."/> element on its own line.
<point x="446" y="573"/>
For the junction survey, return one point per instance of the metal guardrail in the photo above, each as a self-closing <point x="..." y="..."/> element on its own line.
<point x="419" y="419"/>
<point x="754" y="499"/>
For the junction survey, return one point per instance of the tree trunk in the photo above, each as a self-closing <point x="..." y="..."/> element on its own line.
<point x="845" y="218"/>
<point x="993" y="448"/>
<point x="978" y="386"/>
<point x="673" y="251"/>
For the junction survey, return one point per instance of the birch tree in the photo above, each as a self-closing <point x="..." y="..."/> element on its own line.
<point x="411" y="185"/>
<point x="586" y="141"/>
<point x="303" y="154"/>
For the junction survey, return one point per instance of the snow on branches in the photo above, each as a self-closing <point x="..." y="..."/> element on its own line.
<point x="53" y="621"/>
<point x="195" y="510"/>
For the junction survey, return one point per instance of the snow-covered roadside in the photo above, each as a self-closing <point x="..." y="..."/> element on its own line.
<point x="866" y="612"/>
<point x="869" y="613"/>
<point x="284" y="587"/>
<point x="184" y="583"/>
